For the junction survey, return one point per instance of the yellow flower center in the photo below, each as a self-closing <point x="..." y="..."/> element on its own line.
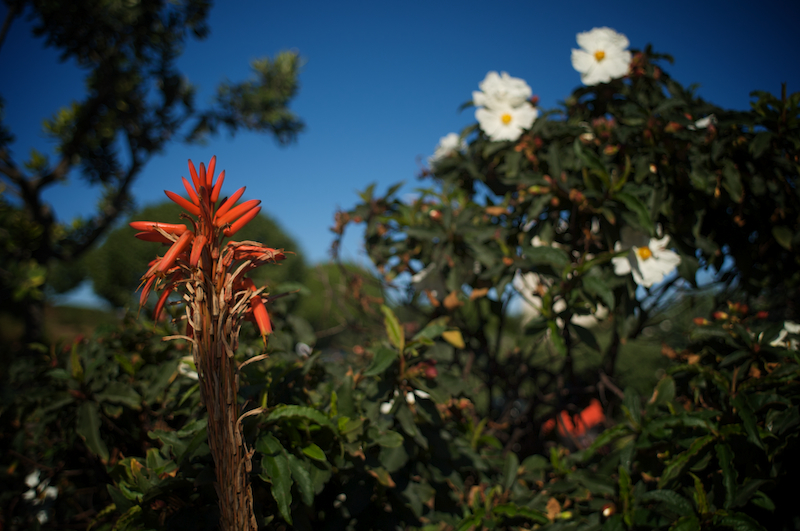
<point x="644" y="252"/>
<point x="599" y="55"/>
<point x="506" y="119"/>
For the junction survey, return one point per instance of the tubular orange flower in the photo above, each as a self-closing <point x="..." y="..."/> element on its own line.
<point x="177" y="248"/>
<point x="228" y="203"/>
<point x="192" y="195"/>
<point x="217" y="187"/>
<point x="172" y="228"/>
<point x="261" y="316"/>
<point x="183" y="203"/>
<point x="212" y="164"/>
<point x="241" y="222"/>
<point x="235" y="212"/>
<point x="197" y="249"/>
<point x="153" y="237"/>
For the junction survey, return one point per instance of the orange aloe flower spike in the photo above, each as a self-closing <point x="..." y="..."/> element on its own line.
<point x="193" y="173"/>
<point x="228" y="203"/>
<point x="241" y="222"/>
<point x="189" y="190"/>
<point x="237" y="211"/>
<point x="183" y="203"/>
<point x="212" y="164"/>
<point x="177" y="248"/>
<point x="217" y="187"/>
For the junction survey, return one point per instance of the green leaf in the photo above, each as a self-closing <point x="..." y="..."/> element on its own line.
<point x="626" y="495"/>
<point x="433" y="329"/>
<point x="276" y="471"/>
<point x="555" y="337"/>
<point x="600" y="289"/>
<point x="389" y="439"/>
<point x="585" y="335"/>
<point x="381" y="361"/>
<point x="635" y="205"/>
<point x="75" y="363"/>
<point x="725" y="458"/>
<point x="315" y="452"/>
<point x="676" y="465"/>
<point x="686" y="523"/>
<point x="700" y="496"/>
<point x="732" y="181"/>
<point x="510" y="466"/>
<point x="304" y="412"/>
<point x="393" y="328"/>
<point x="633" y="403"/>
<point x="740" y="522"/>
<point x="674" y="501"/>
<point x="544" y="254"/>
<point x="302" y="479"/>
<point x="748" y="417"/>
<point x="87" y="426"/>
<point x="120" y="393"/>
<point x="783" y="235"/>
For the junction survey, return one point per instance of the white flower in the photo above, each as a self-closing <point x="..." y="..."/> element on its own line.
<point x="603" y="56"/>
<point x="528" y="285"/>
<point x="501" y="90"/>
<point x="789" y="327"/>
<point x="187" y="368"/>
<point x="703" y="123"/>
<point x="32" y="479"/>
<point x="303" y="350"/>
<point x="504" y="122"/>
<point x="648" y="259"/>
<point x="448" y="146"/>
<point x="386" y="407"/>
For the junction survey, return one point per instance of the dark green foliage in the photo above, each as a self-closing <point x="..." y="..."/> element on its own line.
<point x="447" y="410"/>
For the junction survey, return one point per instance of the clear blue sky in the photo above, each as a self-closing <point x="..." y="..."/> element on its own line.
<point x="383" y="82"/>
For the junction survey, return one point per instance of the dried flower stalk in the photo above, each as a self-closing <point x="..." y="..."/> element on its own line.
<point x="210" y="276"/>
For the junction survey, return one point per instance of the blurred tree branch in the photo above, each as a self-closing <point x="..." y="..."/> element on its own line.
<point x="137" y="102"/>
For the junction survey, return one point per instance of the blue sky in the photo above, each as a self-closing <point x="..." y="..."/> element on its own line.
<point x="383" y="81"/>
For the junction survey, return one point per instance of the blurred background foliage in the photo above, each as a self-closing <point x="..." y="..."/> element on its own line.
<point x="425" y="395"/>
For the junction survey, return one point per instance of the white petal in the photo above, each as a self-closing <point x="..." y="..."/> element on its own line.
<point x="410" y="398"/>
<point x="422" y="394"/>
<point x="582" y="61"/>
<point x="622" y="264"/>
<point x="386" y="407"/>
<point x="32" y="479"/>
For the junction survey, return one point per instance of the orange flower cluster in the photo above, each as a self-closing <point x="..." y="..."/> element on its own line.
<point x="577" y="425"/>
<point x="200" y="249"/>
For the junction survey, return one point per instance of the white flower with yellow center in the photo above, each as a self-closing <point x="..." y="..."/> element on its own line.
<point x="602" y="57"/>
<point x="449" y="145"/>
<point x="501" y="89"/>
<point x="648" y="259"/>
<point x="504" y="122"/>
